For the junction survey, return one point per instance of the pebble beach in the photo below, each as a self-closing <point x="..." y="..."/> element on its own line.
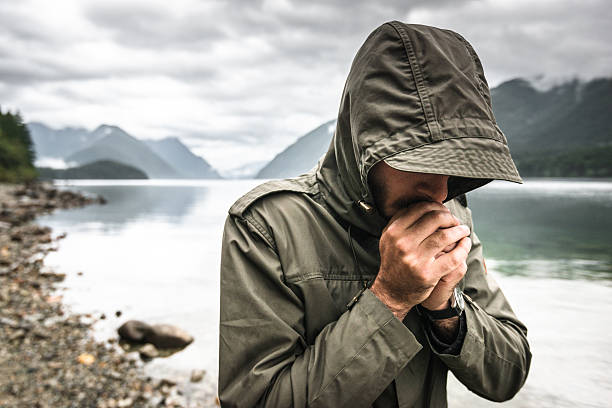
<point x="48" y="355"/>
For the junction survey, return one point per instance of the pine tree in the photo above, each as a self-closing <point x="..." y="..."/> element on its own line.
<point x="16" y="149"/>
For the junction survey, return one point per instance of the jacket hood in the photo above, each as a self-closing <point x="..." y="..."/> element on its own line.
<point x="415" y="97"/>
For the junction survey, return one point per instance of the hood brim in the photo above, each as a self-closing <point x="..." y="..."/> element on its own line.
<point x="466" y="157"/>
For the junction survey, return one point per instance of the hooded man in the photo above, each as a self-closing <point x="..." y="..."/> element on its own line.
<point x="362" y="282"/>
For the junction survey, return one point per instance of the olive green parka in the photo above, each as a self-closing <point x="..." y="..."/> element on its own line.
<point x="296" y="252"/>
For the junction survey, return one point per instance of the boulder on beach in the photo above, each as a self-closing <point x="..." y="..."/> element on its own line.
<point x="165" y="336"/>
<point x="134" y="331"/>
<point x="162" y="336"/>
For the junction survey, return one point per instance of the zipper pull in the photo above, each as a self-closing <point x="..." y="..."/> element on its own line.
<point x="365" y="207"/>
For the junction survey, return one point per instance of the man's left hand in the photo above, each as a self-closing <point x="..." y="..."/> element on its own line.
<point x="440" y="296"/>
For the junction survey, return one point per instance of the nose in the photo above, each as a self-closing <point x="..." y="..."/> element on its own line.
<point x="435" y="187"/>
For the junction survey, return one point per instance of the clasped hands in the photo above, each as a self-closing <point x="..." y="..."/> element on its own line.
<point x="423" y="256"/>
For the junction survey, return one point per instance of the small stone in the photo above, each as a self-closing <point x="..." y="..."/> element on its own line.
<point x="86" y="359"/>
<point x="197" y="375"/>
<point x="41" y="333"/>
<point x="126" y="402"/>
<point x="54" y="299"/>
<point x="148" y="352"/>
<point x="166" y="382"/>
<point x="9" y="322"/>
<point x="114" y="375"/>
<point x="17" y="335"/>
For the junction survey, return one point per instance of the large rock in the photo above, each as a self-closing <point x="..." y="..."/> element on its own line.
<point x="164" y="336"/>
<point x="135" y="331"/>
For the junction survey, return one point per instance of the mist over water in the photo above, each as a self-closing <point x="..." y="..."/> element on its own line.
<point x="153" y="252"/>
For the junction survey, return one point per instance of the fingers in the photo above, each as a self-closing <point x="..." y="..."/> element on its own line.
<point x="448" y="248"/>
<point x="408" y="216"/>
<point x="436" y="242"/>
<point x="431" y="222"/>
<point x="455" y="261"/>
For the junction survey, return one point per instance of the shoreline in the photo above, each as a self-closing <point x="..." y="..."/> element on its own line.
<point x="48" y="354"/>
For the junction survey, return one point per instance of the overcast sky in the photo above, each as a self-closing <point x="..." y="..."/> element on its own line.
<point x="238" y="81"/>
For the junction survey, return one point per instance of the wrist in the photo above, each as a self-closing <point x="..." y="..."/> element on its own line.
<point x="453" y="307"/>
<point x="440" y="306"/>
<point x="399" y="309"/>
<point x="446" y="329"/>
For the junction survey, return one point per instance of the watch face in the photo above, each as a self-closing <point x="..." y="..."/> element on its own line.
<point x="458" y="301"/>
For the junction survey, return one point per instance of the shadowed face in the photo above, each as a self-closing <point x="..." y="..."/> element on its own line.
<point x="394" y="189"/>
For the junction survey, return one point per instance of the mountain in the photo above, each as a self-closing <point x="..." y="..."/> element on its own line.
<point x="570" y="115"/>
<point x="112" y="143"/>
<point x="562" y="131"/>
<point x="182" y="159"/>
<point x="302" y="155"/>
<point x="52" y="143"/>
<point x="101" y="169"/>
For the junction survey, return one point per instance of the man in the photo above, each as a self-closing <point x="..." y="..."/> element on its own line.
<point x="353" y="285"/>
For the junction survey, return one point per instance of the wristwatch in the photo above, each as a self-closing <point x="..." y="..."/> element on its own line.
<point x="456" y="308"/>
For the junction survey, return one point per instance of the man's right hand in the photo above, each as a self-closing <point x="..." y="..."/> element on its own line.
<point x="412" y="254"/>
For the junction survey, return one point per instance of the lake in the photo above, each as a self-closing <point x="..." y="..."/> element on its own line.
<point x="152" y="252"/>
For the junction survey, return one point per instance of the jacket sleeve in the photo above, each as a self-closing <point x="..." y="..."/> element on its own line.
<point x="494" y="359"/>
<point x="264" y="360"/>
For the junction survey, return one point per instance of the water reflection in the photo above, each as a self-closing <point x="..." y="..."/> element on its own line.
<point x="126" y="204"/>
<point x="553" y="228"/>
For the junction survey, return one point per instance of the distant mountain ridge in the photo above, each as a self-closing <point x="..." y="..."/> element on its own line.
<point x="58" y="143"/>
<point x="302" y="155"/>
<point x="182" y="159"/>
<point x="101" y="169"/>
<point x="569" y="115"/>
<point x="115" y="144"/>
<point x="166" y="158"/>
<point x="550" y="131"/>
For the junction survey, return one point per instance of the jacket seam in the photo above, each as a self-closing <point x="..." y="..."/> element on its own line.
<point x="477" y="340"/>
<point x="269" y="240"/>
<point x="417" y="75"/>
<point x="476" y="63"/>
<point x="339" y="278"/>
<point x="496" y="139"/>
<point x="351" y="360"/>
<point x="494" y="354"/>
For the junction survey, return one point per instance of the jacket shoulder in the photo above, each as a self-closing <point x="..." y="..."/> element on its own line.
<point x="303" y="184"/>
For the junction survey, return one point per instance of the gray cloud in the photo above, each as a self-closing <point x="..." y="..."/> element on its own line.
<point x="561" y="39"/>
<point x="147" y="25"/>
<point x="225" y="74"/>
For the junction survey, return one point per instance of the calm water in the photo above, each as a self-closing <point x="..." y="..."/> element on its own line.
<point x="153" y="253"/>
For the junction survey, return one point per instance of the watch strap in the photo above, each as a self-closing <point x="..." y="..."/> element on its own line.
<point x="456" y="308"/>
<point x="439" y="314"/>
